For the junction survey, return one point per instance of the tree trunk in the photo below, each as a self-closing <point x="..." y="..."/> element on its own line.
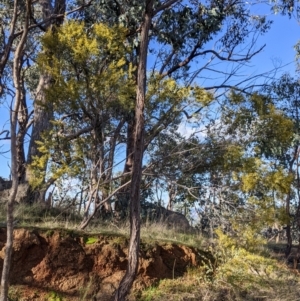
<point x="107" y="208"/>
<point x="134" y="243"/>
<point x="17" y="65"/>
<point x="43" y="111"/>
<point x="287" y="207"/>
<point x="288" y="228"/>
<point x="22" y="129"/>
<point x="172" y="194"/>
<point x="121" y="206"/>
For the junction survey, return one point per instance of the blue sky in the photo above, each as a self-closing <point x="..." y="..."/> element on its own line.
<point x="280" y="41"/>
<point x="279" y="51"/>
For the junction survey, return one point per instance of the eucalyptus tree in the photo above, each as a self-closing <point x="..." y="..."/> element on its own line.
<point x="177" y="33"/>
<point x="236" y="166"/>
<point x="21" y="22"/>
<point x="194" y="27"/>
<point x="17" y="83"/>
<point x="43" y="112"/>
<point x="19" y="14"/>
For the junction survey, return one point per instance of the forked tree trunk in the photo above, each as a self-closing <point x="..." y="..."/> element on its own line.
<point x="134" y="243"/>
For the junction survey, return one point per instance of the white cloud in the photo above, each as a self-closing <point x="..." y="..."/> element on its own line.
<point x="187" y="130"/>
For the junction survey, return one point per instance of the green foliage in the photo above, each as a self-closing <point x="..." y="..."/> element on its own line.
<point x="166" y="100"/>
<point x="246" y="266"/>
<point x="259" y="165"/>
<point x="267" y="180"/>
<point x="240" y="274"/>
<point x="91" y="240"/>
<point x="49" y="233"/>
<point x="87" y="65"/>
<point x="14" y="294"/>
<point x="54" y="296"/>
<point x="245" y="237"/>
<point x="167" y="88"/>
<point x="92" y="83"/>
<point x="247" y="271"/>
<point x="57" y="158"/>
<point x="233" y="157"/>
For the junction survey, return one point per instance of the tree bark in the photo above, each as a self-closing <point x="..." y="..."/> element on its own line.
<point x="134" y="243"/>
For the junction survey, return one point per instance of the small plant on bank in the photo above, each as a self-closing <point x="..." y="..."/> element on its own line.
<point x="90" y="240"/>
<point x="14" y="294"/>
<point x="54" y="296"/>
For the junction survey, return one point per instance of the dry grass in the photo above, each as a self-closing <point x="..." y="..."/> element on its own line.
<point x="37" y="216"/>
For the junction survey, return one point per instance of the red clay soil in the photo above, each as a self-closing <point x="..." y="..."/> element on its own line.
<point x="58" y="263"/>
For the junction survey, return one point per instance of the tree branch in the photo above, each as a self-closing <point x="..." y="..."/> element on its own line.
<point x="164" y="6"/>
<point x="194" y="54"/>
<point x="6" y="137"/>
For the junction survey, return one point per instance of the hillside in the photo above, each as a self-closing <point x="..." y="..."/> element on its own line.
<point x="67" y="265"/>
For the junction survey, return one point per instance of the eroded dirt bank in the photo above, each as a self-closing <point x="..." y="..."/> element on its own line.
<point x="76" y="266"/>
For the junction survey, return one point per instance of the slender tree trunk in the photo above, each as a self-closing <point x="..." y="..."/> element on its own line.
<point x="107" y="208"/>
<point x="22" y="129"/>
<point x="297" y="257"/>
<point x="298" y="205"/>
<point x="172" y="194"/>
<point x="287" y="207"/>
<point x="5" y="54"/>
<point x="122" y="204"/>
<point x="134" y="243"/>
<point x="17" y="65"/>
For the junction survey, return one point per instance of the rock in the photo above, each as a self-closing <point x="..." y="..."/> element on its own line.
<point x="172" y="219"/>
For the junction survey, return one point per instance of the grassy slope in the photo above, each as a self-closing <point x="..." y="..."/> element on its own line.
<point x="240" y="273"/>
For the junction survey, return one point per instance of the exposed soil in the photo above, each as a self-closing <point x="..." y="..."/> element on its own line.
<point x="49" y="264"/>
